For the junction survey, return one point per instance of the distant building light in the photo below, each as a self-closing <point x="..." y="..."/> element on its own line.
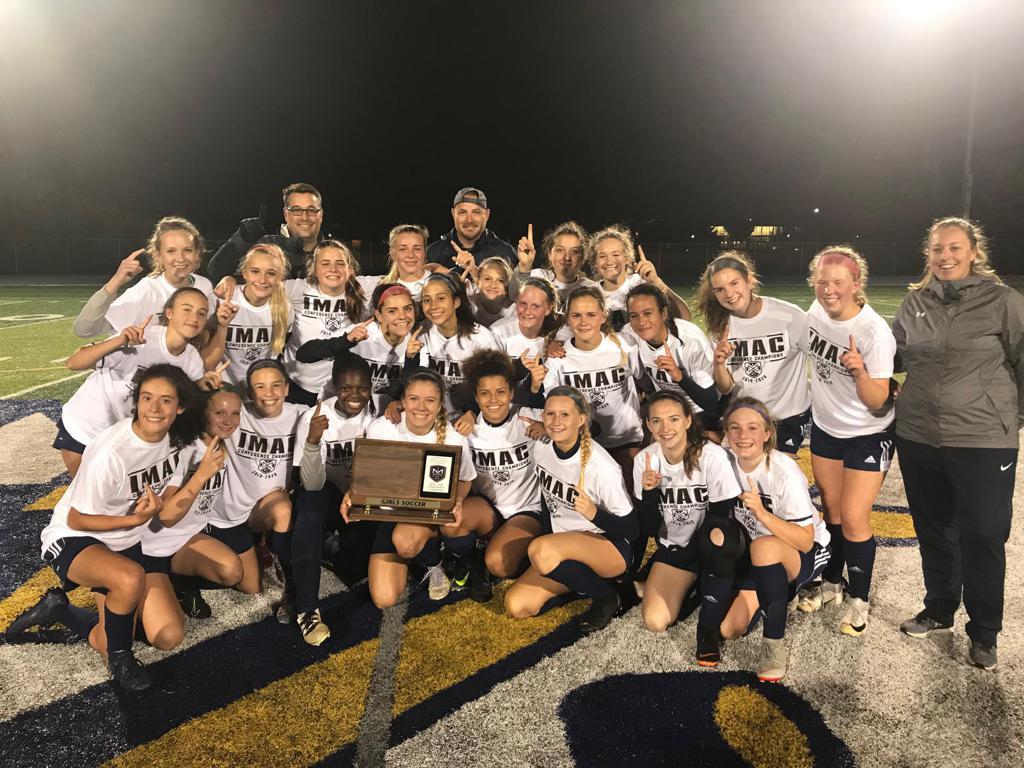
<point x="817" y="210"/>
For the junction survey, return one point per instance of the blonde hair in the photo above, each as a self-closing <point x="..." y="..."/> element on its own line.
<point x="616" y="232"/>
<point x="402" y="229"/>
<point x="716" y="317"/>
<point x="279" y="304"/>
<point x="498" y="264"/>
<point x="580" y="401"/>
<point x="441" y="420"/>
<point x="975" y="236"/>
<point x="594" y="293"/>
<point x="355" y="298"/>
<point x="860" y="274"/>
<point x="172" y="224"/>
<point x="761" y="410"/>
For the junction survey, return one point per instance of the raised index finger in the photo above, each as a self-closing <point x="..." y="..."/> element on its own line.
<point x="647" y="462"/>
<point x="753" y="485"/>
<point x="223" y="366"/>
<point x="316" y="411"/>
<point x="150" y="317"/>
<point x="529" y="232"/>
<point x="853" y="343"/>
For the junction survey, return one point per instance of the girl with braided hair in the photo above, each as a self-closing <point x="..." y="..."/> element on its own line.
<point x="423" y="420"/>
<point x="588" y="513"/>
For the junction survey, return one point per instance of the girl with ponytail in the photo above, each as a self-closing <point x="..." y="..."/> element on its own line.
<point x="253" y="323"/>
<point x="423" y="420"/>
<point x="588" y="513"/>
<point x="604" y="369"/>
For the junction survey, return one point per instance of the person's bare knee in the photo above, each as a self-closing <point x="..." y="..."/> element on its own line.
<point x="168" y="637"/>
<point x="543" y="555"/>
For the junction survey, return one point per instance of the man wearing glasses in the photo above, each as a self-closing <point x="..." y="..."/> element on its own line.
<point x="470" y="214"/>
<point x="303" y="215"/>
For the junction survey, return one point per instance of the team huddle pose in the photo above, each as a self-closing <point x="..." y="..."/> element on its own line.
<point x="216" y="431"/>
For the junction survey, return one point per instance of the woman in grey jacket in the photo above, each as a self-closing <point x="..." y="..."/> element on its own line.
<point x="960" y="338"/>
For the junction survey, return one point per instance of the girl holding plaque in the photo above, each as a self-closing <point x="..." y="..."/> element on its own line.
<point x="423" y="420"/>
<point x="588" y="513"/>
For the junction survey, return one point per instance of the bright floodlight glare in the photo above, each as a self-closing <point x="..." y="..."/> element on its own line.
<point x="817" y="210"/>
<point x="916" y="12"/>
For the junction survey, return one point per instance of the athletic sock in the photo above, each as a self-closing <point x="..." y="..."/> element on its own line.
<point x="460" y="546"/>
<point x="430" y="555"/>
<point x="79" y="620"/>
<point x="860" y="563"/>
<point x="715" y="593"/>
<point x="580" y="578"/>
<point x="281" y="545"/>
<point x="118" y="629"/>
<point x="772" y="586"/>
<point x="833" y="571"/>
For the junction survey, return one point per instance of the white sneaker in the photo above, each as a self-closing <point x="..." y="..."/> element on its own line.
<point x="774" y="658"/>
<point x="439" y="584"/>
<point x="314" y="631"/>
<point x="855" y="617"/>
<point x="816" y="598"/>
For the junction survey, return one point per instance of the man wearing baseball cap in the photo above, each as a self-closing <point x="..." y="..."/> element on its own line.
<point x="470" y="214"/>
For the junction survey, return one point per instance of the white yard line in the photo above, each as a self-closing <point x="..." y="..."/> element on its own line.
<point x="37" y="322"/>
<point x="47" y="384"/>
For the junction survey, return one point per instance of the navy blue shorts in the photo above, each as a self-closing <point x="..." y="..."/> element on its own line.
<point x="238" y="537"/>
<point x="868" y="453"/>
<point x="533" y="514"/>
<point x="811" y="565"/>
<point x="63" y="552"/>
<point x="65" y="442"/>
<point x="683" y="558"/>
<point x="791" y="431"/>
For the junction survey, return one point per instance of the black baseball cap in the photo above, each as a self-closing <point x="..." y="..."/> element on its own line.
<point x="470" y="195"/>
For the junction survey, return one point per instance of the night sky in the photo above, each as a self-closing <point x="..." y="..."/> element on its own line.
<point x="669" y="116"/>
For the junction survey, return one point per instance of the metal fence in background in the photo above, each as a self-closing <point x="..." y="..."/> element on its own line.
<point x="678" y="263"/>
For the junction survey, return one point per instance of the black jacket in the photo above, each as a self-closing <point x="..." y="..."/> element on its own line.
<point x="441" y="251"/>
<point x="225" y="260"/>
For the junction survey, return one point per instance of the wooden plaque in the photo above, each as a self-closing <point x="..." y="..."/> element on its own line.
<point x="404" y="482"/>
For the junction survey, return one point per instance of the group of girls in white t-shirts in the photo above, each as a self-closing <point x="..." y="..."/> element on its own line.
<point x="592" y="416"/>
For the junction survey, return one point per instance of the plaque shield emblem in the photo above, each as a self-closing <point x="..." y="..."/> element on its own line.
<point x="437" y="473"/>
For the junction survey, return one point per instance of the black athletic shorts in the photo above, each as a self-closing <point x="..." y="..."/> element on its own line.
<point x="792" y="430"/>
<point x="238" y="537"/>
<point x="65" y="442"/>
<point x="684" y="558"/>
<point x="868" y="453"/>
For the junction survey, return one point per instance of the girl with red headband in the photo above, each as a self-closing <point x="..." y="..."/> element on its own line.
<point x="851" y="350"/>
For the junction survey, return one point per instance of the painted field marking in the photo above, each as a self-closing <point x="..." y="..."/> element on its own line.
<point x="4" y="358"/>
<point x="47" y="384"/>
<point x="37" y="322"/>
<point x="35" y="370"/>
<point x="60" y="359"/>
<point x="8" y="302"/>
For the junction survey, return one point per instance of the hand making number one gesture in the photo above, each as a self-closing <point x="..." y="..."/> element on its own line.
<point x="526" y="251"/>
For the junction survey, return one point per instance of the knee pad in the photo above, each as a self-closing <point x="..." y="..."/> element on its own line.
<point x="721" y="559"/>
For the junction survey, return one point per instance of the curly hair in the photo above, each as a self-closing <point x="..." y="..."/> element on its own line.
<point x="716" y="317"/>
<point x="188" y="424"/>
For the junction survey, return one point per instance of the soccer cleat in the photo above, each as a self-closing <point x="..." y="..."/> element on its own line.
<point x="709" y="646"/>
<point x="438" y="583"/>
<point x="128" y="672"/>
<point x="855" y="617"/>
<point x="41" y="614"/>
<point x="460" y="575"/>
<point x="983" y="654"/>
<point x="921" y="625"/>
<point x="192" y="603"/>
<point x="773" y="660"/>
<point x="815" y="598"/>
<point x="601" y="611"/>
<point x="314" y="631"/>
<point x="479" y="579"/>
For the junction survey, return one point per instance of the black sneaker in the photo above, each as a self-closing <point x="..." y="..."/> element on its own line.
<point x="921" y="625"/>
<point x="709" y="646"/>
<point x="983" y="654"/>
<point x="128" y="672"/>
<point x="601" y="611"/>
<point x="191" y="601"/>
<point x="479" y="579"/>
<point x="42" y="614"/>
<point x="459" y="574"/>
